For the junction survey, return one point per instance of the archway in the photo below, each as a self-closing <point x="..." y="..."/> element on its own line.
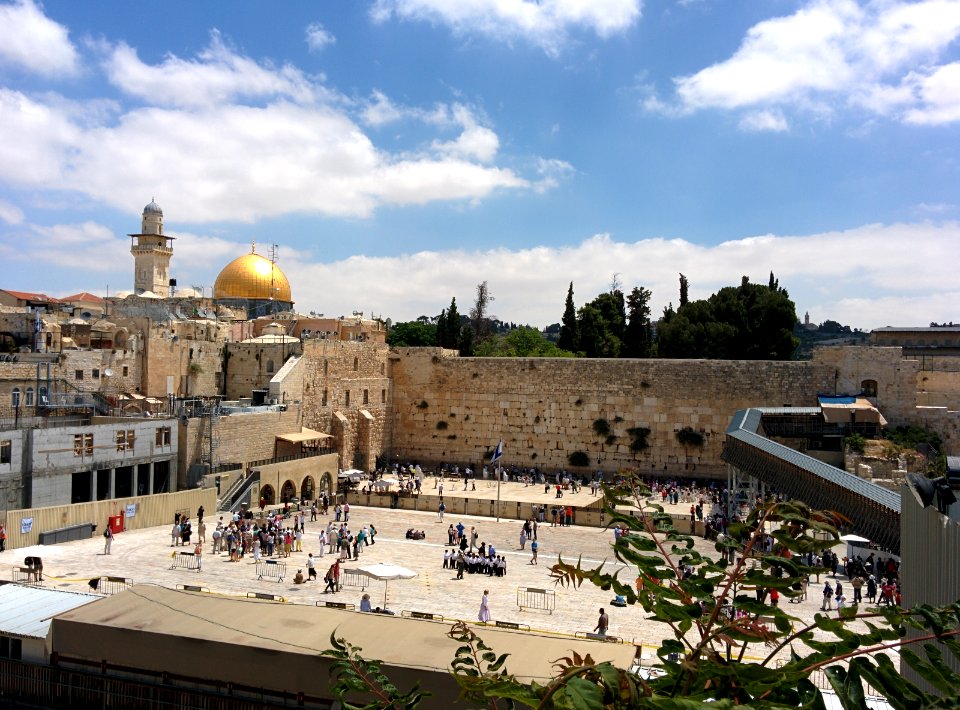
<point x="267" y="495"/>
<point x="307" y="489"/>
<point x="288" y="491"/>
<point x="326" y="483"/>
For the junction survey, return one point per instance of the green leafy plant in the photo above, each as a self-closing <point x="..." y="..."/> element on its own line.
<point x="855" y="443"/>
<point x="353" y="675"/>
<point x="689" y="437"/>
<point x="601" y="427"/>
<point x="638" y="438"/>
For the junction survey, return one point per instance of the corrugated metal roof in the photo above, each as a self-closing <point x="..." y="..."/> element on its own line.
<point x="747" y="422"/>
<point x="25" y="611"/>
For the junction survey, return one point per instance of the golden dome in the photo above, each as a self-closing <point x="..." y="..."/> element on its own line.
<point x="249" y="276"/>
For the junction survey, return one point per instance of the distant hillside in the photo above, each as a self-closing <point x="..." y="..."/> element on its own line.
<point x="827" y="333"/>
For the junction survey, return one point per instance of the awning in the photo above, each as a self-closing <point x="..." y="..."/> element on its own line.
<point x="841" y="410"/>
<point x="304" y="435"/>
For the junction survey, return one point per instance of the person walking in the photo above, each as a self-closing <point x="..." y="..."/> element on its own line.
<point x="311" y="568"/>
<point x="827" y="597"/>
<point x="107" y="539"/>
<point x="603" y="623"/>
<point x="441" y="509"/>
<point x="534" y="548"/>
<point x="198" y="555"/>
<point x="484" y="615"/>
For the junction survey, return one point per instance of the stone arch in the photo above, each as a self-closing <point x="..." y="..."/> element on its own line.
<point x="268" y="495"/>
<point x="288" y="490"/>
<point x="869" y="388"/>
<point x="308" y="488"/>
<point x="326" y="483"/>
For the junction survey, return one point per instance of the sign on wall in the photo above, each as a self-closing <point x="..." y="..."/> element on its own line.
<point x="131" y="510"/>
<point x="26" y="525"/>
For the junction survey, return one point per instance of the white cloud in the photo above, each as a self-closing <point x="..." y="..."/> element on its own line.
<point x="218" y="75"/>
<point x="530" y="284"/>
<point x="764" y="121"/>
<point x="880" y="56"/>
<point x="551" y="173"/>
<point x="34" y="42"/>
<point x="939" y="97"/>
<point x="545" y="23"/>
<point x="10" y="213"/>
<point x="318" y="37"/>
<point x="218" y="158"/>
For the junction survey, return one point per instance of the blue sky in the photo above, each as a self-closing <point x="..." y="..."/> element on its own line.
<point x="400" y="152"/>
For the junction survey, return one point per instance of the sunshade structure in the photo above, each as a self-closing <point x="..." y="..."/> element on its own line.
<point x="844" y="410"/>
<point x="853" y="538"/>
<point x="386" y="572"/>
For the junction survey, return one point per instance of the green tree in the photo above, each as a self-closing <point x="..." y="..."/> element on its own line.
<point x="442" y="328"/>
<point x="684" y="291"/>
<point x="413" y="334"/>
<point x="479" y="314"/>
<point x="637" y="337"/>
<point x="602" y="325"/>
<point x="520" y="342"/>
<point x="452" y="326"/>
<point x="749" y="322"/>
<point x="569" y="333"/>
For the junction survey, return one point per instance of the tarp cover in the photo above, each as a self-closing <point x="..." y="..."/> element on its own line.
<point x="304" y="435"/>
<point x="837" y="410"/>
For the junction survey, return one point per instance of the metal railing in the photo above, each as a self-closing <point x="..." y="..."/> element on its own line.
<point x="271" y="569"/>
<point x="533" y="598"/>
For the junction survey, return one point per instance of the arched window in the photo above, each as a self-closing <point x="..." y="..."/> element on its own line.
<point x="356" y="363"/>
<point x="29" y="396"/>
<point x="269" y="365"/>
<point x="15" y="397"/>
<point x="869" y="388"/>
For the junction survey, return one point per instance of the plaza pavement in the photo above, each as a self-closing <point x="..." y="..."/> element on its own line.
<point x="144" y="556"/>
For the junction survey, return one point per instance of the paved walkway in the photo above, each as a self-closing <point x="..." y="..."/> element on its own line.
<point x="145" y="557"/>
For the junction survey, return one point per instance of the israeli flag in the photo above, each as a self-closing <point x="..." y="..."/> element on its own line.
<point x="497" y="452"/>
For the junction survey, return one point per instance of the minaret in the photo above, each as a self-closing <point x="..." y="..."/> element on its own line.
<point x="151" y="251"/>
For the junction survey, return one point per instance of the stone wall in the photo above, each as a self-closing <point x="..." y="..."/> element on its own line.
<point x="451" y="409"/>
<point x="251" y="366"/>
<point x="347" y="393"/>
<point x="242" y="437"/>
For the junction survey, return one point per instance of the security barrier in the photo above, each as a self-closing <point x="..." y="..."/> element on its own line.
<point x="352" y="578"/>
<point x="271" y="569"/>
<point x="532" y="598"/>
<point x="422" y="615"/>
<point x="185" y="560"/>
<point x="337" y="605"/>
<point x="598" y="637"/>
<point x="110" y="585"/>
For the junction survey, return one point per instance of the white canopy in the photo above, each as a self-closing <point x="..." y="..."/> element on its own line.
<point x="386" y="572"/>
<point x="853" y="538"/>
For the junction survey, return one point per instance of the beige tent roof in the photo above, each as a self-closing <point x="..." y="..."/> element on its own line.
<point x="304" y="435"/>
<point x="161" y="629"/>
<point x="860" y="408"/>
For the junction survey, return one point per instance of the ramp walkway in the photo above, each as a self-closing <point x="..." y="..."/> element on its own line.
<point x="873" y="510"/>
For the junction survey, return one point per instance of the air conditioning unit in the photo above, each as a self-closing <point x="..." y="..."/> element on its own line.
<point x="274" y="401"/>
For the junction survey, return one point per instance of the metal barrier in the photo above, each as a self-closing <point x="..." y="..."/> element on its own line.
<point x="27" y="575"/>
<point x="192" y="588"/>
<point x="185" y="560"/>
<point x="353" y="578"/>
<point x="271" y="569"/>
<point x="110" y="585"/>
<point x="532" y="598"/>
<point x="337" y="605"/>
<point x="422" y="615"/>
<point x="264" y="595"/>
<point x="598" y="637"/>
<point x="512" y="625"/>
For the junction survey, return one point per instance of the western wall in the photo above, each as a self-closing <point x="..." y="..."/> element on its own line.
<point x="452" y="409"/>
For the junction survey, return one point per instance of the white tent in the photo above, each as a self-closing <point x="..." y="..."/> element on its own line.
<point x="386" y="572"/>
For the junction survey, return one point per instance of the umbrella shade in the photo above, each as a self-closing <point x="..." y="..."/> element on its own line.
<point x="853" y="538"/>
<point x="386" y="572"/>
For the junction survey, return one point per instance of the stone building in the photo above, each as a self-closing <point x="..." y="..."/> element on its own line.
<point x="151" y="250"/>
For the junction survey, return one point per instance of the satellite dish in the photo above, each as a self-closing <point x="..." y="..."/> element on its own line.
<point x="108" y="372"/>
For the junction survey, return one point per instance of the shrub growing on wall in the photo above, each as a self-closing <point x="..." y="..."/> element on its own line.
<point x="638" y="438"/>
<point x="689" y="437"/>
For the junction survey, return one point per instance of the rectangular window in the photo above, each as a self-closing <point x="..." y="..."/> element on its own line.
<point x="126" y="370"/>
<point x="346" y="401"/>
<point x="366" y="397"/>
<point x="95" y="374"/>
<point x="6" y="451"/>
<point x="163" y="436"/>
<point x="383" y="396"/>
<point x="125" y="440"/>
<point x="11" y="648"/>
<point x="78" y="375"/>
<point x="83" y="444"/>
<point x="323" y="402"/>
